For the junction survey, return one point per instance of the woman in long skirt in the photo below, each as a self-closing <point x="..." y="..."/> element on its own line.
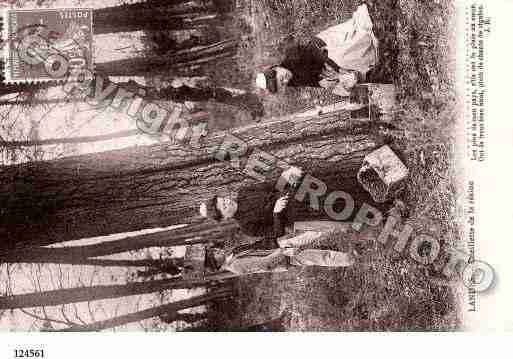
<point x="336" y="58"/>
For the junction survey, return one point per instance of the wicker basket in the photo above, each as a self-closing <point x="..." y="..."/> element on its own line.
<point x="382" y="174"/>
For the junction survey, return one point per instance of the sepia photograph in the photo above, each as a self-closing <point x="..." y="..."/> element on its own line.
<point x="236" y="166"/>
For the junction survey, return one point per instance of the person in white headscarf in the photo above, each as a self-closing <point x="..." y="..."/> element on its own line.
<point x="336" y="58"/>
<point x="262" y="243"/>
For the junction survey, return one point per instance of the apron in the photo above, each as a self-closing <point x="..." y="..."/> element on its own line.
<point x="352" y="44"/>
<point x="312" y="233"/>
<point x="306" y="234"/>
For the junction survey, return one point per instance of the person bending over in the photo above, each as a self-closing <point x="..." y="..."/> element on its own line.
<point x="336" y="58"/>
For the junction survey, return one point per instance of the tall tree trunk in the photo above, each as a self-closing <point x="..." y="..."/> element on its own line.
<point x="99" y="292"/>
<point x="246" y="101"/>
<point x="9" y="89"/>
<point x="242" y="99"/>
<point x="154" y="15"/>
<point x="72" y="140"/>
<point x="234" y="97"/>
<point x="162" y="185"/>
<point x="150" y="313"/>
<point x="157" y="63"/>
<point x="201" y="233"/>
<point x="33" y="102"/>
<point x="57" y="259"/>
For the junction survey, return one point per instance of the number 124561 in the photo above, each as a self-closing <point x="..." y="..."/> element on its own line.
<point x="29" y="353"/>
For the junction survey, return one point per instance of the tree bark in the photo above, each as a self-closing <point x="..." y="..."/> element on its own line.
<point x="152" y="15"/>
<point x="58" y="259"/>
<point x="8" y="89"/>
<point x="149" y="313"/>
<point x="240" y="98"/>
<point x="141" y="66"/>
<point x="72" y="140"/>
<point x="246" y="101"/>
<point x="193" y="234"/>
<point x="33" y="102"/>
<point x="99" y="292"/>
<point x="162" y="185"/>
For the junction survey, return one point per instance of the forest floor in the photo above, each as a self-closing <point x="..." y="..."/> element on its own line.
<point x="384" y="290"/>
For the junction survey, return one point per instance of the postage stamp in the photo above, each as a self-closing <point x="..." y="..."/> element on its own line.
<point x="46" y="44"/>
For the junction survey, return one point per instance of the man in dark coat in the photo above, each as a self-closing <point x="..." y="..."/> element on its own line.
<point x="336" y="58"/>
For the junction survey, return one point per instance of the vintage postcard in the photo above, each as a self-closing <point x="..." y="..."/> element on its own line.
<point x="254" y="165"/>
